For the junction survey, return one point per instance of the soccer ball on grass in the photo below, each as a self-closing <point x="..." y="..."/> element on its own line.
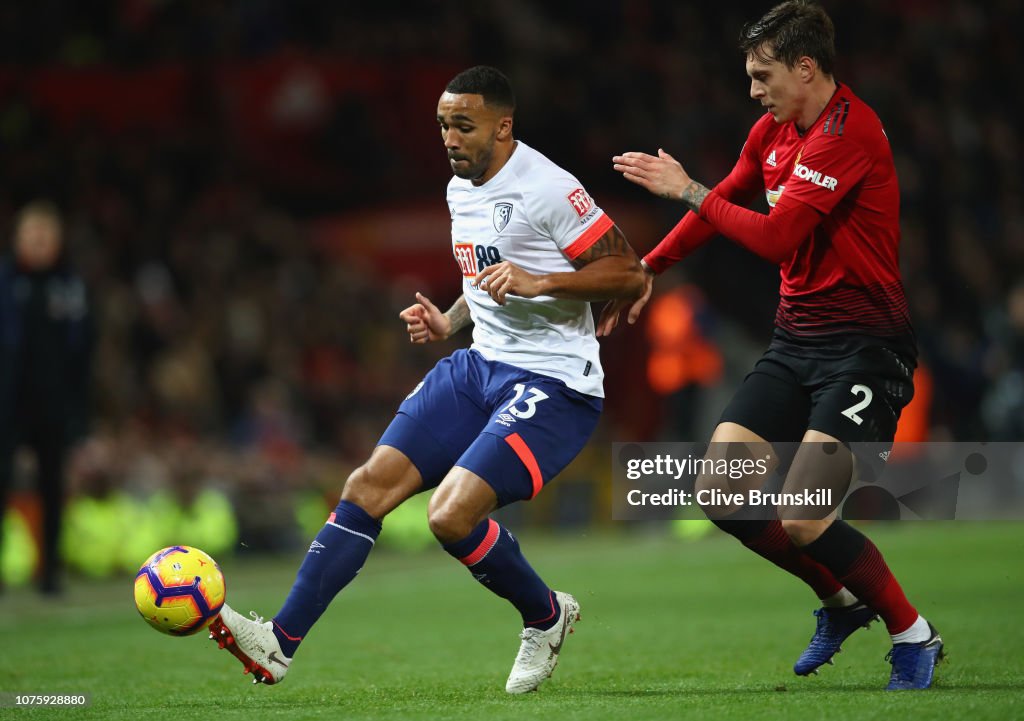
<point x="179" y="590"/>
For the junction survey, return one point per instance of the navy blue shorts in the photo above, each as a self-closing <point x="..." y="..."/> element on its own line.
<point x="515" y="429"/>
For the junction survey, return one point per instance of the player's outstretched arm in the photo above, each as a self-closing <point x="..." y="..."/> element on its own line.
<point x="609" y="268"/>
<point x="774" y="236"/>
<point x="425" y="322"/>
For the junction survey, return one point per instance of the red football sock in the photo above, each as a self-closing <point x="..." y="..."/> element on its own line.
<point x="774" y="544"/>
<point x="854" y="560"/>
<point x="870" y="579"/>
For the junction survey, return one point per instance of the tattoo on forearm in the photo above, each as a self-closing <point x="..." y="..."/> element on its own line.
<point x="611" y="243"/>
<point x="458" y="315"/>
<point x="694" y="195"/>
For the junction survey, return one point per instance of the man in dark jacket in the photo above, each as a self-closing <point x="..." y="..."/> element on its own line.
<point x="45" y="347"/>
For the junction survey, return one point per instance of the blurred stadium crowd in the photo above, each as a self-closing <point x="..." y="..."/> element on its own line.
<point x="205" y="155"/>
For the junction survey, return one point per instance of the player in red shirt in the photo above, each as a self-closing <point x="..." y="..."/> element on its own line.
<point x="839" y="366"/>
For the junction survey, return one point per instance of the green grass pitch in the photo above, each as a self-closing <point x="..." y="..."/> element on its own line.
<point x="670" y="630"/>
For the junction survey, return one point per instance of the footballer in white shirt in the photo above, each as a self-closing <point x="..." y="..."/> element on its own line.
<point x="494" y="423"/>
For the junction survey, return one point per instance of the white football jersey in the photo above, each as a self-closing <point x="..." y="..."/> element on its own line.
<point x="539" y="217"/>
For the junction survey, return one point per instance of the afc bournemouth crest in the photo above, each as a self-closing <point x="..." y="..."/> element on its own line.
<point x="502" y="213"/>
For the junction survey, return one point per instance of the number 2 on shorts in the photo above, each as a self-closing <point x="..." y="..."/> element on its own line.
<point x="851" y="412"/>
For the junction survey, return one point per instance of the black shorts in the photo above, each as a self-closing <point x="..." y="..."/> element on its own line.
<point x="856" y="399"/>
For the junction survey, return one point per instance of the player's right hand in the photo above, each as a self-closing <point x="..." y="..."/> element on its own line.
<point x="610" y="313"/>
<point x="662" y="175"/>
<point x="425" y="322"/>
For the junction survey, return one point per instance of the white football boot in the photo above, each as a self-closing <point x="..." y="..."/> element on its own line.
<point x="538" y="653"/>
<point x="253" y="643"/>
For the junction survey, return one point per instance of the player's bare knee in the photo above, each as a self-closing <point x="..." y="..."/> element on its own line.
<point x="368" y="492"/>
<point x="447" y="524"/>
<point x="803" y="531"/>
<point x="382" y="483"/>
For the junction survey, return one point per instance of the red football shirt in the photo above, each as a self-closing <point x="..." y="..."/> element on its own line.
<point x="833" y="227"/>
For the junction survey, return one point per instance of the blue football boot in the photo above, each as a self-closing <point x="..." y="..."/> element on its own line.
<point x="834" y="626"/>
<point x="913" y="664"/>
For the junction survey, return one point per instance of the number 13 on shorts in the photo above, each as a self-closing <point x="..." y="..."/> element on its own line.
<point x="528" y="406"/>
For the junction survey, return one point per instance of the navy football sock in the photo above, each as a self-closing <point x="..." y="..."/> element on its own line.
<point x="492" y="555"/>
<point x="333" y="560"/>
